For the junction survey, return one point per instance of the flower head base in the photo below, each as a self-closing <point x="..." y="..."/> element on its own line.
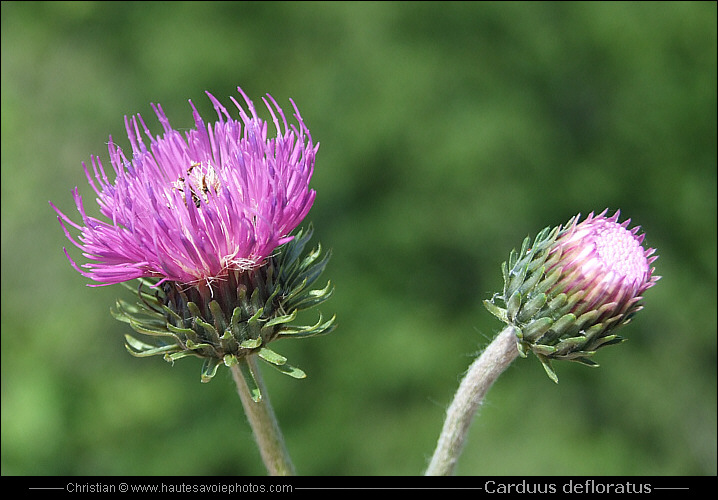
<point x="205" y="223"/>
<point x="568" y="292"/>
<point x="236" y="317"/>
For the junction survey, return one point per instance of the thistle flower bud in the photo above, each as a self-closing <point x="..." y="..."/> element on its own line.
<point x="568" y="292"/>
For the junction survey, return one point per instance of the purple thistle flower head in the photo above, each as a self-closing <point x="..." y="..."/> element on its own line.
<point x="568" y="292"/>
<point x="204" y="221"/>
<point x="192" y="209"/>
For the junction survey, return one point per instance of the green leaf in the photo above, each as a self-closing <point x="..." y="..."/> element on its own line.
<point x="531" y="307"/>
<point x="513" y="305"/>
<point x="311" y="257"/>
<point x="587" y="318"/>
<point x="290" y="370"/>
<point x="496" y="310"/>
<point x="173" y="314"/>
<point x="608" y="340"/>
<point x="278" y="320"/>
<point x="543" y="350"/>
<point x="574" y="355"/>
<point x="536" y="259"/>
<point x="250" y="380"/>
<point x="558" y="328"/>
<point x="193" y="346"/>
<point x="230" y="360"/>
<point x="142" y="350"/>
<point x="295" y="291"/>
<point x="593" y="333"/>
<point x="532" y="280"/>
<point x="138" y="345"/>
<point x="228" y="342"/>
<point x="548" y="368"/>
<point x="211" y="331"/>
<point x="586" y="361"/>
<point x="308" y="331"/>
<point x="523" y="348"/>
<point x="194" y="310"/>
<point x="272" y="357"/>
<point x="293" y="249"/>
<point x="309" y="298"/>
<point x="178" y="355"/>
<point x="310" y="274"/>
<point x="187" y="332"/>
<point x="516" y="279"/>
<point x="557" y="303"/>
<point x="127" y="312"/>
<point x="526" y="244"/>
<point x="536" y="328"/>
<point x="236" y="318"/>
<point x="257" y="316"/>
<point x="268" y="303"/>
<point x="569" y="345"/>
<point x="218" y="314"/>
<point x="139" y="328"/>
<point x="251" y="343"/>
<point x="209" y="369"/>
<point x="549" y="280"/>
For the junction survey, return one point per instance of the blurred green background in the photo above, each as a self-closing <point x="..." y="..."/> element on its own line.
<point x="449" y="132"/>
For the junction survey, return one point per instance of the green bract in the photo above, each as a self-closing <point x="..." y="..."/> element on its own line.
<point x="234" y="316"/>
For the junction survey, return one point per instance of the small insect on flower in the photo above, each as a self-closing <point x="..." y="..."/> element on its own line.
<point x="200" y="181"/>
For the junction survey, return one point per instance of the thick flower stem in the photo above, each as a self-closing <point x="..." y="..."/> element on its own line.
<point x="263" y="422"/>
<point x="481" y="375"/>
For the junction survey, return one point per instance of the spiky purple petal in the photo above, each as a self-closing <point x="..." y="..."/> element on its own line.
<point x="191" y="209"/>
<point x="605" y="259"/>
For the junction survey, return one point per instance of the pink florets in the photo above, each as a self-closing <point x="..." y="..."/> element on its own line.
<point x="190" y="209"/>
<point x="607" y="261"/>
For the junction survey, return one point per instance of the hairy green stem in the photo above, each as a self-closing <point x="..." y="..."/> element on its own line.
<point x="481" y="375"/>
<point x="263" y="422"/>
